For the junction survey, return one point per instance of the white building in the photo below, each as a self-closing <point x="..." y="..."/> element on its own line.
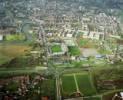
<point x="1" y="37"/>
<point x="69" y="35"/>
<point x="93" y="35"/>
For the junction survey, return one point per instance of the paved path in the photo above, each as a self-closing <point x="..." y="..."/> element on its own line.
<point x="58" y="88"/>
<point x="77" y="87"/>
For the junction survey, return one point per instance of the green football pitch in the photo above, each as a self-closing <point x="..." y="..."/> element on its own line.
<point x="75" y="82"/>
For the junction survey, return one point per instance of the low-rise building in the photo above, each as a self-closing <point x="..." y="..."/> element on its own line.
<point x="93" y="35"/>
<point x="1" y="37"/>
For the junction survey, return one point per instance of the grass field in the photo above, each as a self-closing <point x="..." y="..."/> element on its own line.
<point x="4" y="59"/>
<point x="13" y="50"/>
<point x="74" y="50"/>
<point x="102" y="51"/>
<point x="84" y="83"/>
<point x="56" y="48"/>
<point x="7" y="52"/>
<point x="16" y="37"/>
<point x="93" y="98"/>
<point x="86" y="43"/>
<point x="82" y="42"/>
<point x="68" y="84"/>
<point x="48" y="88"/>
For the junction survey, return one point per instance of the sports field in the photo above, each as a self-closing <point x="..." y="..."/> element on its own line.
<point x="85" y="84"/>
<point x="77" y="82"/>
<point x="56" y="48"/>
<point x="68" y="84"/>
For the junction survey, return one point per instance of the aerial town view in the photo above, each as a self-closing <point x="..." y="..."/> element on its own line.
<point x="61" y="49"/>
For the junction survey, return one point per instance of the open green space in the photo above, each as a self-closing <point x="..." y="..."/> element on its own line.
<point x="4" y="59"/>
<point x="85" y="84"/>
<point x="86" y="43"/>
<point x="15" y="37"/>
<point x="8" y="52"/>
<point x="104" y="51"/>
<point x="56" y="48"/>
<point x="68" y="85"/>
<point x="22" y="62"/>
<point x="13" y="50"/>
<point x="81" y="63"/>
<point x="74" y="51"/>
<point x="82" y="42"/>
<point x="93" y="98"/>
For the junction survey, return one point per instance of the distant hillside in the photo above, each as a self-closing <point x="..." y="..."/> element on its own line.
<point x="103" y="3"/>
<point x="99" y="3"/>
<point x="118" y="4"/>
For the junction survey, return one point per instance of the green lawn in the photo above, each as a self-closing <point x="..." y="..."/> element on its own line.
<point x="48" y="88"/>
<point x="15" y="37"/>
<point x="85" y="84"/>
<point x="68" y="84"/>
<point x="86" y="43"/>
<point x="82" y="42"/>
<point x="103" y="51"/>
<point x="80" y="63"/>
<point x="93" y="98"/>
<point x="74" y="50"/>
<point x="56" y="48"/>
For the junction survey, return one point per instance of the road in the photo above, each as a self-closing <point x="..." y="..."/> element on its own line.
<point x="77" y="87"/>
<point x="43" y="42"/>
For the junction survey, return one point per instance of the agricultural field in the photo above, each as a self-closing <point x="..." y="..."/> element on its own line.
<point x="77" y="82"/>
<point x="16" y="51"/>
<point x="4" y="59"/>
